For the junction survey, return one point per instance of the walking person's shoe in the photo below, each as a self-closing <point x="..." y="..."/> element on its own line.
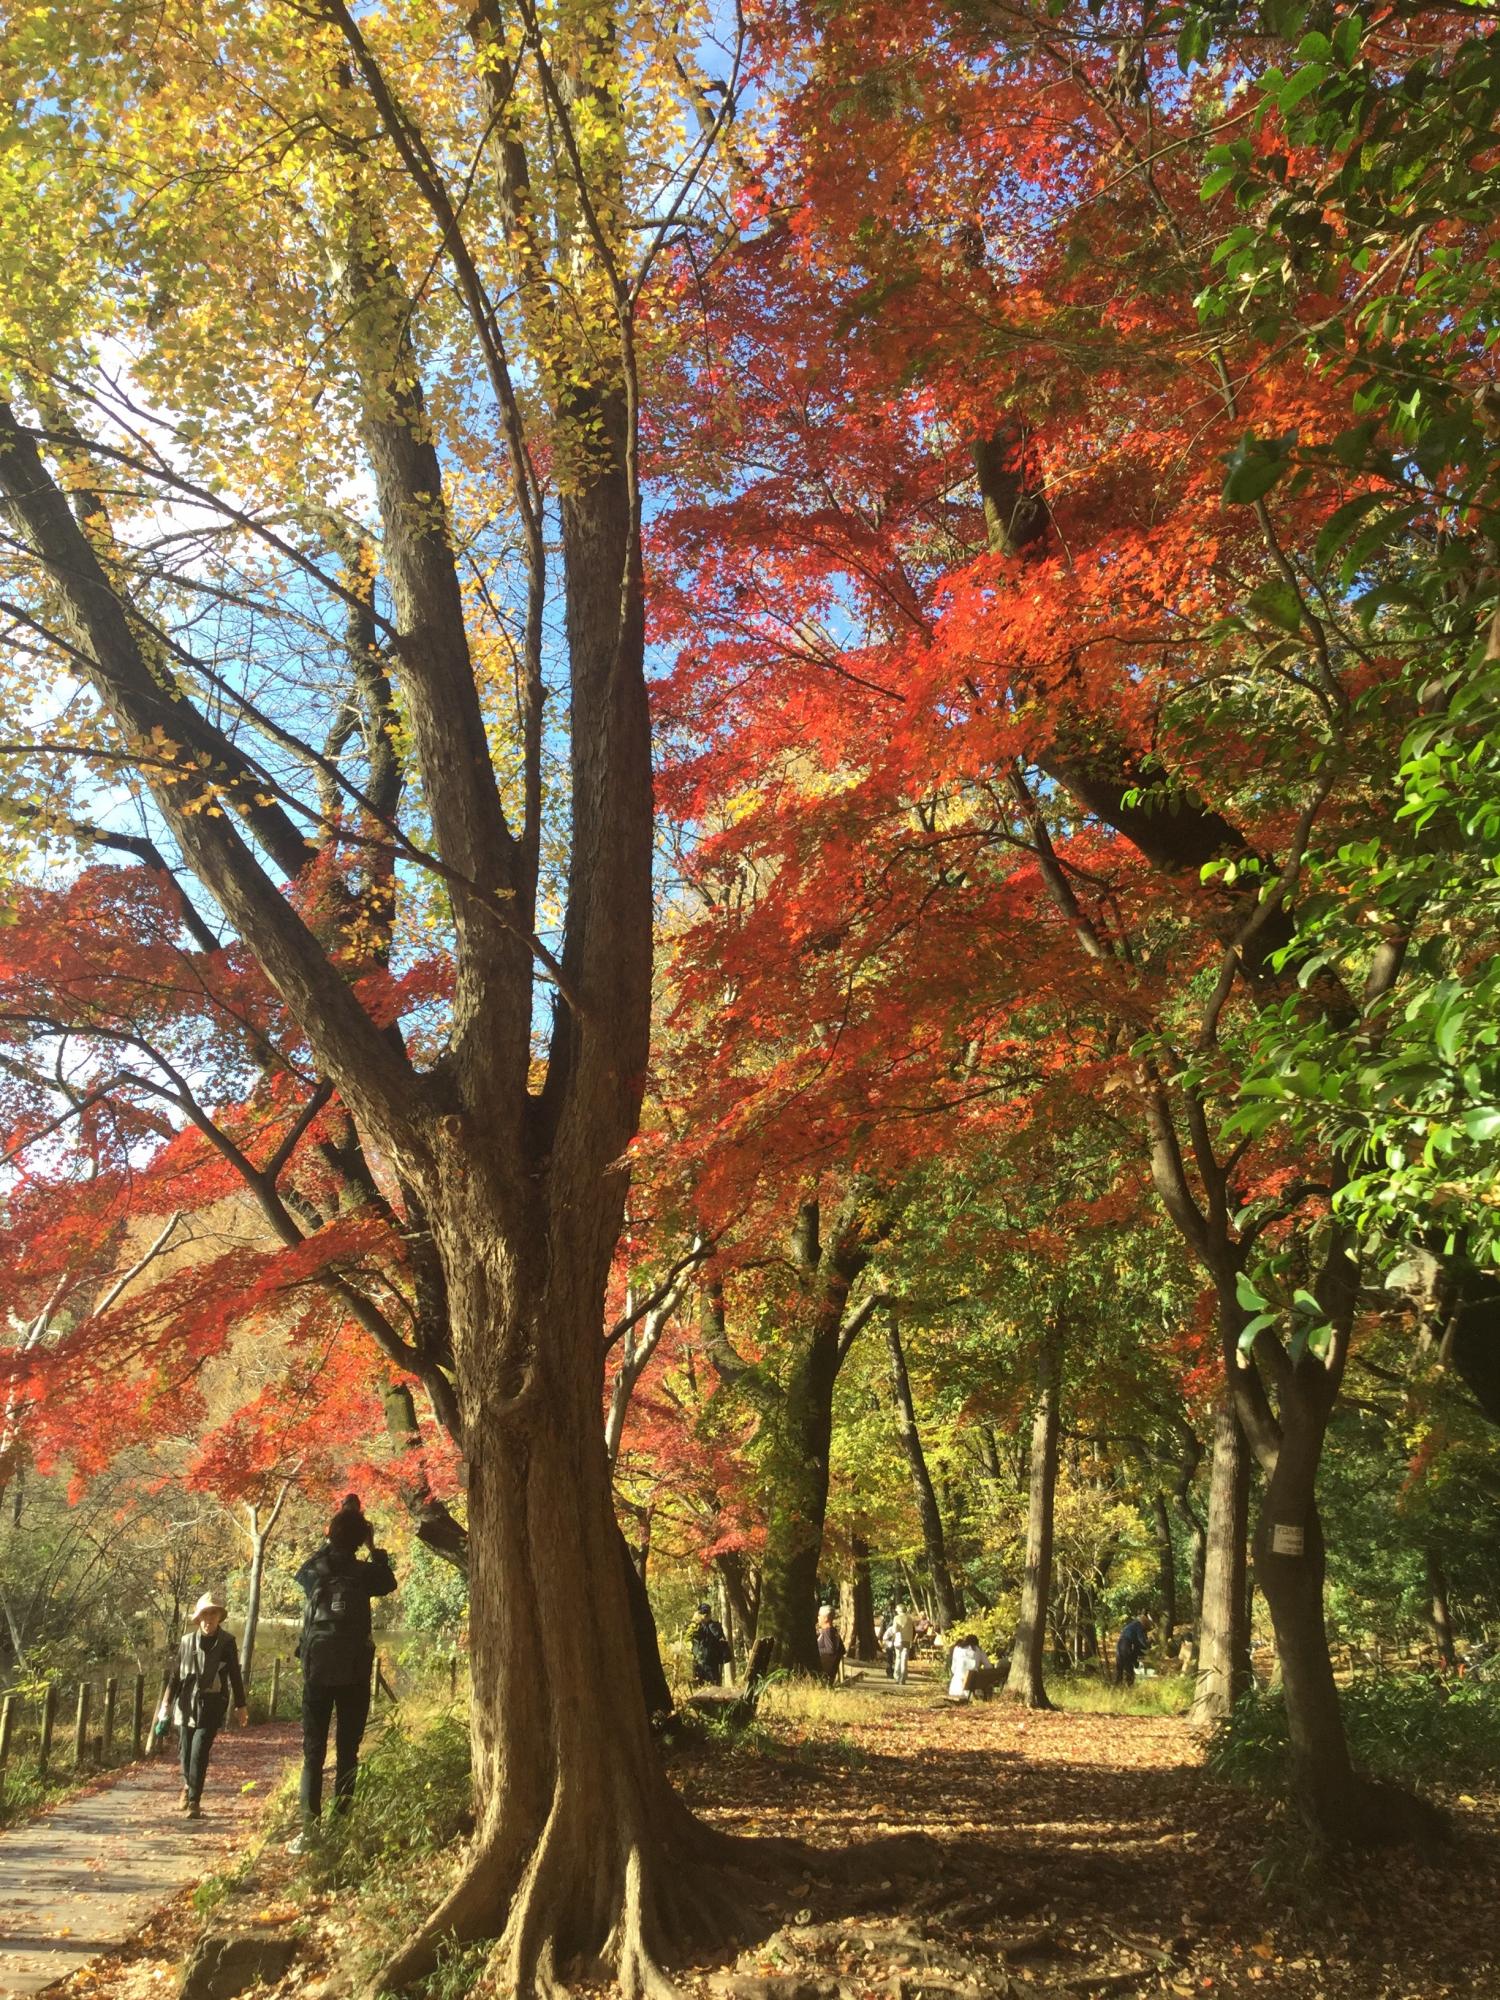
<point x="194" y="1810"/>
<point x="185" y="1801"/>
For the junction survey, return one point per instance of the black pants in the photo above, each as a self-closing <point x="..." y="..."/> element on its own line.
<point x="320" y="1705"/>
<point x="1125" y="1666"/>
<point x="196" y="1744"/>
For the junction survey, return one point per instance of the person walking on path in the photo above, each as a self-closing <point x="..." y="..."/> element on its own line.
<point x="1130" y="1649"/>
<point x="205" y="1677"/>
<point x="901" y="1634"/>
<point x="338" y="1655"/>
<point x="710" y="1648"/>
<point x="830" y="1646"/>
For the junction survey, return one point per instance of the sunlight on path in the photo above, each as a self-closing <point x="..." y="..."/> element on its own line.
<point x="86" y="1875"/>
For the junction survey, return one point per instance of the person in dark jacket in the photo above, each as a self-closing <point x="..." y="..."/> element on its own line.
<point x="338" y="1654"/>
<point x="1130" y="1649"/>
<point x="206" y="1676"/>
<point x="710" y="1648"/>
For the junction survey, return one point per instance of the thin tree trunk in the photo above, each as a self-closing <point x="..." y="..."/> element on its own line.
<point x="1289" y="1569"/>
<point x="260" y="1539"/>
<point x="1026" y="1680"/>
<point x="740" y="1592"/>
<point x="1223" y="1627"/>
<point x="989" y="1454"/>
<point x="1438" y="1613"/>
<point x="1192" y="1520"/>
<point x="949" y="1604"/>
<point x="1166" y="1563"/>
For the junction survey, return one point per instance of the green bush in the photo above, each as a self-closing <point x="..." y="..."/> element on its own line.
<point x="1399" y="1726"/>
<point x="414" y="1797"/>
<point x="434" y="1598"/>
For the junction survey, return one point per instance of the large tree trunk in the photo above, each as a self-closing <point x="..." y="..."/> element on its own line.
<point x="581" y="1847"/>
<point x="1026" y="1680"/>
<point x="948" y="1604"/>
<point x="799" y="1436"/>
<point x="1223" y="1627"/>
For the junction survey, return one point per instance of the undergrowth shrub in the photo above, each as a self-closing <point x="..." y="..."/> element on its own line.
<point x="414" y="1796"/>
<point x="1088" y="1694"/>
<point x="1407" y="1726"/>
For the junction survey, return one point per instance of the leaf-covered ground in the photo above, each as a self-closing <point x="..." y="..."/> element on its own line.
<point x="1004" y="1854"/>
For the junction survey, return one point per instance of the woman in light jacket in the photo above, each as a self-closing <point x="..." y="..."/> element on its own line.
<point x="206" y="1675"/>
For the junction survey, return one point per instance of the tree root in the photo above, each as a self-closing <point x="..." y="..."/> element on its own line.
<point x="560" y="1912"/>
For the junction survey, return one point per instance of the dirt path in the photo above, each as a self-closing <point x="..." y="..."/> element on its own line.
<point x="87" y="1874"/>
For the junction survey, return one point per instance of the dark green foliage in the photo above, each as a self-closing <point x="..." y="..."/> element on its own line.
<point x="434" y="1597"/>
<point x="1400" y="1726"/>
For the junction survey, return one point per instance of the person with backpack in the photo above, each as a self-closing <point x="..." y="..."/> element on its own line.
<point x="338" y="1655"/>
<point x="1130" y="1648"/>
<point x="206" y="1676"/>
<point x="710" y="1648"/>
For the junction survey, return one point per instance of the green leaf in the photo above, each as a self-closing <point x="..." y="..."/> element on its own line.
<point x="1482" y="1122"/>
<point x="1246" y="1293"/>
<point x="1253" y="468"/>
<point x="1276" y="602"/>
<point x="1254" y="1328"/>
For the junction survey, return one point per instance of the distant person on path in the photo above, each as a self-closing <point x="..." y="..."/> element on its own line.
<point x="904" y="1627"/>
<point x="830" y="1645"/>
<point x="338" y="1655"/>
<point x="887" y="1637"/>
<point x="207" y="1673"/>
<point x="710" y="1648"/>
<point x="1130" y="1648"/>
<point x="968" y="1657"/>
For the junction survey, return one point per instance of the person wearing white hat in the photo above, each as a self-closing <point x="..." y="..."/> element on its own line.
<point x="207" y="1674"/>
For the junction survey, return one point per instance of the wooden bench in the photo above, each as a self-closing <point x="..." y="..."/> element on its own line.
<point x="982" y="1683"/>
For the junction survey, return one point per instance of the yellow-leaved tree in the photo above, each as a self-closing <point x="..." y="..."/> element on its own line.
<point x="321" y="553"/>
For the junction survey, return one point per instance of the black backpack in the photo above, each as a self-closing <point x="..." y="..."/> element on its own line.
<point x="336" y="1646"/>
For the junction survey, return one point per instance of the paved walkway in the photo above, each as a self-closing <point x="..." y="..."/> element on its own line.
<point x="88" y="1873"/>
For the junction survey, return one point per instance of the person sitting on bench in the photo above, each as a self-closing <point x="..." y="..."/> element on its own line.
<point x="970" y="1671"/>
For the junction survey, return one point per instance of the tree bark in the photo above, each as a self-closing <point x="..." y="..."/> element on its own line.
<point x="1026" y="1680"/>
<point x="1290" y="1569"/>
<point x="795" y="1434"/>
<point x="1223" y="1626"/>
<point x="861" y="1638"/>
<point x="799" y="1439"/>
<point x="260" y="1537"/>
<point x="1166" y="1563"/>
<point x="1438" y="1613"/>
<point x="948" y="1603"/>
<point x="1192" y="1520"/>
<point x="742" y="1590"/>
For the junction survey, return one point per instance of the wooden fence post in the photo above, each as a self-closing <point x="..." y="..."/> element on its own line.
<point x="275" y="1686"/>
<point x="81" y="1726"/>
<point x="49" y="1716"/>
<point x="453" y="1677"/>
<point x="138" y="1718"/>
<point x="107" y="1733"/>
<point x="7" y="1724"/>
